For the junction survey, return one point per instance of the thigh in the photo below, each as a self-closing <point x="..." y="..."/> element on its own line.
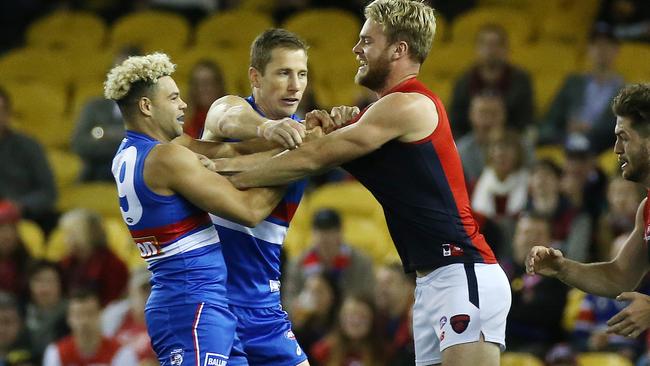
<point x="197" y="334"/>
<point x="267" y="337"/>
<point x="471" y="354"/>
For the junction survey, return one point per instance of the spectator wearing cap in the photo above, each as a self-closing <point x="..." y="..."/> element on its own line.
<point x="351" y="270"/>
<point x="582" y="178"/>
<point x="14" y="258"/>
<point x="25" y="176"/>
<point x="582" y="106"/>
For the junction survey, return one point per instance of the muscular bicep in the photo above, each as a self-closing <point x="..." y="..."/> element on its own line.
<point x="633" y="257"/>
<point x="231" y="116"/>
<point x="180" y="171"/>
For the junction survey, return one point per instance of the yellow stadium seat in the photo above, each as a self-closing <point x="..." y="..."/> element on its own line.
<point x="447" y="61"/>
<point x="546" y="88"/>
<point x="151" y="31"/>
<point x="519" y="4"/>
<point x="572" y="309"/>
<point x="90" y="70"/>
<point x="332" y="79"/>
<point x="564" y="21"/>
<point x="546" y="58"/>
<point x="330" y="29"/>
<point x="346" y="197"/>
<point x="602" y="359"/>
<point x="41" y="112"/>
<point x="516" y="23"/>
<point x="32" y="237"/>
<point x="442" y="30"/>
<point x="66" y="30"/>
<point x="520" y="359"/>
<point x="66" y="167"/>
<point x="34" y="65"/>
<point x="56" y="248"/>
<point x="100" y="197"/>
<point x="608" y="162"/>
<point x="365" y="234"/>
<point x="83" y="94"/>
<point x="224" y="30"/>
<point x="121" y="243"/>
<point x="632" y="62"/>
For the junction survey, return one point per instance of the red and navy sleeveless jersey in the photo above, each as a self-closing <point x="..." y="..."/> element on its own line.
<point x="421" y="188"/>
<point x="176" y="238"/>
<point x="253" y="254"/>
<point x="646" y="221"/>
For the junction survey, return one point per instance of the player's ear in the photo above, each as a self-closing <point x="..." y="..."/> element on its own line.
<point x="144" y="105"/>
<point x="401" y="49"/>
<point x="254" y="76"/>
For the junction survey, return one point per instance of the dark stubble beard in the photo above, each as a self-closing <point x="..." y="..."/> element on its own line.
<point x="375" y="78"/>
<point x="641" y="171"/>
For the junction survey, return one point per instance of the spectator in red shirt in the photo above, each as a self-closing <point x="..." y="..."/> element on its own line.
<point x="355" y="340"/>
<point x="14" y="258"/>
<point x="86" y="346"/>
<point x="90" y="263"/>
<point x="206" y="86"/>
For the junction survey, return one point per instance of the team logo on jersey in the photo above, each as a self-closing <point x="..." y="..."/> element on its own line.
<point x="459" y="322"/>
<point x="290" y="334"/>
<point x="275" y="285"/>
<point x="215" y="359"/>
<point x="148" y="246"/>
<point x="451" y="250"/>
<point x="176" y="357"/>
<point x="443" y="321"/>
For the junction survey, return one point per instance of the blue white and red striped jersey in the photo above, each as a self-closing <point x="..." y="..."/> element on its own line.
<point x="253" y="254"/>
<point x="175" y="238"/>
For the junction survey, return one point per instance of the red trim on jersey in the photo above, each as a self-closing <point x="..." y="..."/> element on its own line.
<point x="195" y="336"/>
<point x="443" y="143"/>
<point x="285" y="211"/>
<point x="169" y="233"/>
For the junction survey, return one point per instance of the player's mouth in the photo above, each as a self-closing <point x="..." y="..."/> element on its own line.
<point x="622" y="163"/>
<point x="181" y="119"/>
<point x="290" y="101"/>
<point x="363" y="65"/>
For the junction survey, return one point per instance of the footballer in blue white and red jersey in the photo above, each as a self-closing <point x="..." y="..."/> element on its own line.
<point x="186" y="314"/>
<point x="253" y="259"/>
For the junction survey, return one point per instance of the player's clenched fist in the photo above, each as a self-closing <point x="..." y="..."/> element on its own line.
<point x="343" y="114"/>
<point x="543" y="260"/>
<point x="286" y="132"/>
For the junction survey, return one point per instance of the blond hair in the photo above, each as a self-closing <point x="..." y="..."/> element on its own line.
<point x="411" y="21"/>
<point x="136" y="69"/>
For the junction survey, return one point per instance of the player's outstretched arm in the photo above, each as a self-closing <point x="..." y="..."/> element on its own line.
<point x="220" y="149"/>
<point x="173" y="168"/>
<point x="335" y="119"/>
<point x="623" y="273"/>
<point x="232" y="117"/>
<point x="390" y="118"/>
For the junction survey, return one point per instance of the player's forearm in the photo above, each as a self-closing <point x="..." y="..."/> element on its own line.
<point x="602" y="279"/>
<point x="243" y="163"/>
<point x="280" y="169"/>
<point x="262" y="201"/>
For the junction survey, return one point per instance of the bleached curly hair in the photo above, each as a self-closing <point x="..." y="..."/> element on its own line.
<point x="143" y="70"/>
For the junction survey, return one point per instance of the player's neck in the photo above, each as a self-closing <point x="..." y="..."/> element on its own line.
<point x="397" y="76"/>
<point x="147" y="129"/>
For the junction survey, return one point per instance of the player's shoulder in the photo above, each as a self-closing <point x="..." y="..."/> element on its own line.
<point x="405" y="106"/>
<point x="168" y="155"/>
<point x="230" y="99"/>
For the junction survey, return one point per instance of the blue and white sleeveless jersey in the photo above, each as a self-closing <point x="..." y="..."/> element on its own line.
<point x="175" y="238"/>
<point x="253" y="254"/>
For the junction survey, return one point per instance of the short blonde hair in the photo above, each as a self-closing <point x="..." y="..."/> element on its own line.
<point x="136" y="69"/>
<point x="411" y="21"/>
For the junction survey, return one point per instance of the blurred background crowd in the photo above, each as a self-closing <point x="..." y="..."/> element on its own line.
<point x="527" y="85"/>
